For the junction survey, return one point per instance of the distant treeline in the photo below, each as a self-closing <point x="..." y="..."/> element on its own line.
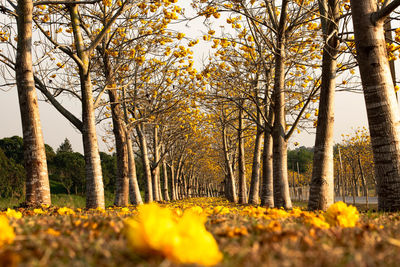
<point x="66" y="169"/>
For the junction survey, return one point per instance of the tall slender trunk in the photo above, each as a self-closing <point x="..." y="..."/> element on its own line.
<point x="156" y="169"/>
<point x="122" y="180"/>
<point x="380" y="100"/>
<point x="148" y="193"/>
<point x="185" y="186"/>
<point x="241" y="162"/>
<point x="37" y="180"/>
<point x="173" y="182"/>
<point x="322" y="185"/>
<point x="94" y="177"/>
<point x="255" y="172"/>
<point x="281" y="182"/>
<point x="165" y="178"/>
<point x="122" y="183"/>
<point x="364" y="182"/>
<point x="267" y="193"/>
<point x="230" y="183"/>
<point x="134" y="191"/>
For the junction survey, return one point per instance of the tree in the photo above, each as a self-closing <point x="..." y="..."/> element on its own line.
<point x="37" y="180"/>
<point x="65" y="146"/>
<point x="11" y="177"/>
<point x="379" y="94"/>
<point x="13" y="148"/>
<point x="322" y="186"/>
<point x="69" y="171"/>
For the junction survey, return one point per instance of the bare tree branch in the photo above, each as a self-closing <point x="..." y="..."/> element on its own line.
<point x="384" y="11"/>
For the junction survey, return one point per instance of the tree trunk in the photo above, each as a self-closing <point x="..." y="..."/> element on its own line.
<point x="173" y="182"/>
<point x="255" y="172"/>
<point x="231" y="186"/>
<point x="94" y="178"/>
<point x="281" y="182"/>
<point x="134" y="191"/>
<point x="122" y="180"/>
<point x="37" y="180"/>
<point x="267" y="195"/>
<point x="322" y="185"/>
<point x="148" y="193"/>
<point x="364" y="182"/>
<point x="241" y="162"/>
<point x="380" y="100"/>
<point x="165" y="176"/>
<point x="281" y="188"/>
<point x="156" y="169"/>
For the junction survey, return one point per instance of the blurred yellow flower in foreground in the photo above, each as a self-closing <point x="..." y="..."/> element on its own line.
<point x="181" y="239"/>
<point x="7" y="234"/>
<point x="339" y="214"/>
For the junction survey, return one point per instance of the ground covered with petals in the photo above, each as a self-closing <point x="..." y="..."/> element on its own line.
<point x="206" y="231"/>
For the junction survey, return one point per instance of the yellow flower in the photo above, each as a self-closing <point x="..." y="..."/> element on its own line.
<point x="38" y="211"/>
<point x="53" y="232"/>
<point x="221" y="210"/>
<point x="181" y="239"/>
<point x="195" y="245"/>
<point x="151" y="230"/>
<point x="10" y="213"/>
<point x="339" y="214"/>
<point x="65" y="211"/>
<point x="195" y="209"/>
<point x="7" y="232"/>
<point x="316" y="221"/>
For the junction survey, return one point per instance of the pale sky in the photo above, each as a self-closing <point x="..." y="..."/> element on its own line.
<point x="349" y="110"/>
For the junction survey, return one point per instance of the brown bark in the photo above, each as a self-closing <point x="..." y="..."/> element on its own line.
<point x="230" y="183"/>
<point x="122" y="180"/>
<point x="134" y="191"/>
<point x="241" y="162"/>
<point x="380" y="100"/>
<point x="165" y="178"/>
<point x="267" y="195"/>
<point x="94" y="178"/>
<point x="281" y="182"/>
<point x="364" y="181"/>
<point x="156" y="169"/>
<point x="37" y="180"/>
<point x="254" y="194"/>
<point x="322" y="185"/>
<point x="173" y="182"/>
<point x="148" y="193"/>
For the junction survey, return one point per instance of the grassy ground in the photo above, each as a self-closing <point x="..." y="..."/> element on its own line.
<point x="247" y="236"/>
<point x="58" y="200"/>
